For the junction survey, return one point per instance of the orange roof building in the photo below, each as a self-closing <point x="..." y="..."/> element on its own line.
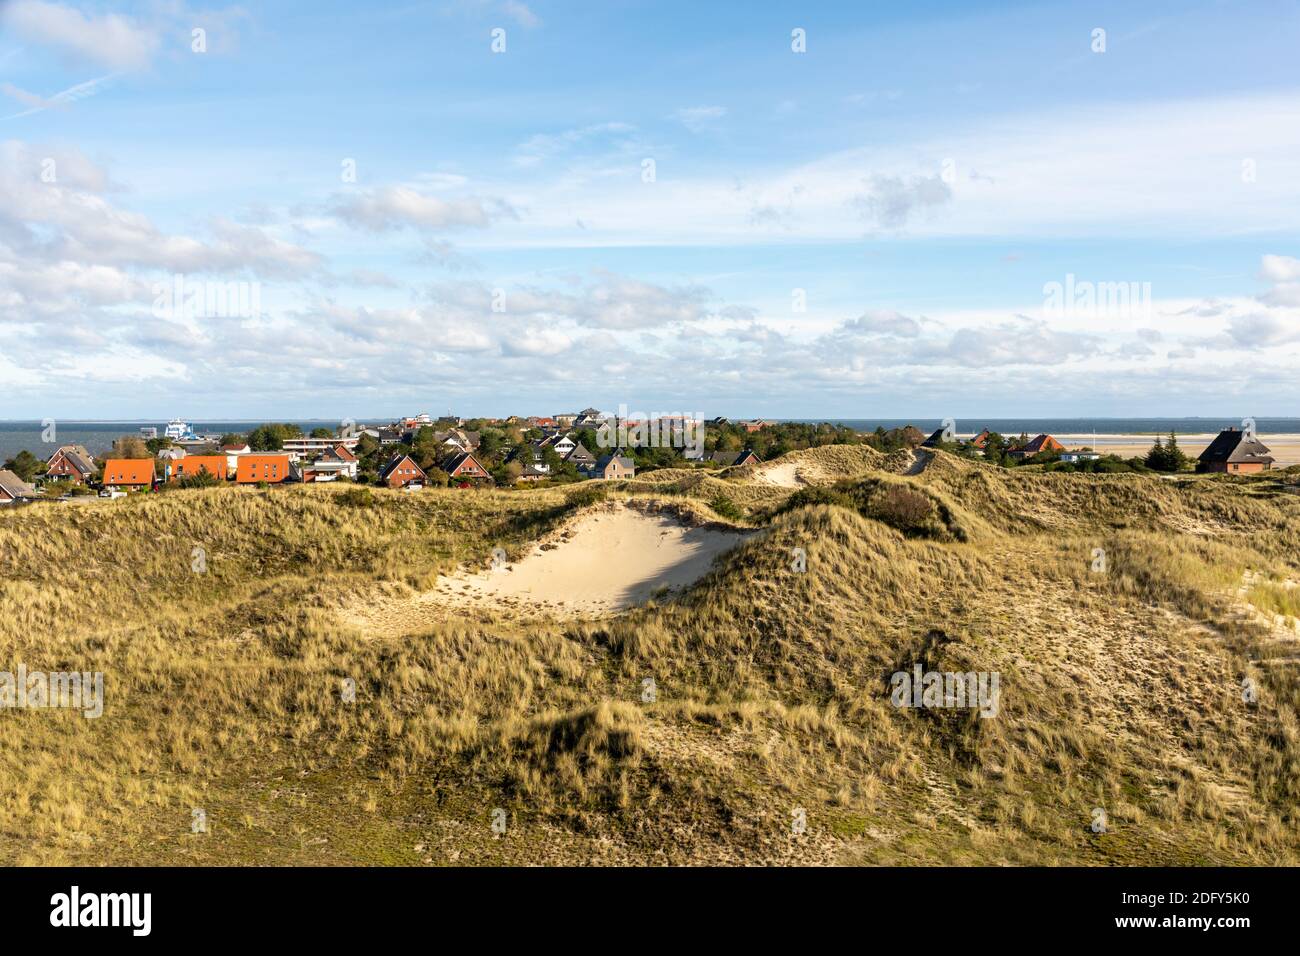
<point x="191" y="465"/>
<point x="128" y="473"/>
<point x="252" y="469"/>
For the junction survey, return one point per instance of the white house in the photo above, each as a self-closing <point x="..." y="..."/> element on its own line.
<point x="232" y="453"/>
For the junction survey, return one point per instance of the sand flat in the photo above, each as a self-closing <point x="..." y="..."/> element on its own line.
<point x="1284" y="448"/>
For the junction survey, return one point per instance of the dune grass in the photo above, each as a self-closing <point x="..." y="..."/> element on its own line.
<point x="687" y="731"/>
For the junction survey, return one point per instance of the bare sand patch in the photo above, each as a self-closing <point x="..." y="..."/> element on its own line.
<point x="781" y="474"/>
<point x="604" y="562"/>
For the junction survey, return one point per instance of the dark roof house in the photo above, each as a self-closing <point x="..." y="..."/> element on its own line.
<point x="728" y="458"/>
<point x="1236" y="452"/>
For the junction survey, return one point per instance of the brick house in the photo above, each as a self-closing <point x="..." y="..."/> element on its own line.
<point x="191" y="465"/>
<point x="71" y="463"/>
<point x="613" y="466"/>
<point x="729" y="458"/>
<point x="403" y="472"/>
<point x="128" y="473"/>
<point x="1038" y="443"/>
<point x="254" y="468"/>
<point x="1235" y="452"/>
<point x="464" y="466"/>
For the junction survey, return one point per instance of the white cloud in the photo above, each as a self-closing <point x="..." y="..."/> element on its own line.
<point x="540" y="147"/>
<point x="891" y="201"/>
<point x="521" y="13"/>
<point x="1280" y="268"/>
<point x="110" y="40"/>
<point x="395" y="207"/>
<point x="697" y="118"/>
<point x="1134" y="170"/>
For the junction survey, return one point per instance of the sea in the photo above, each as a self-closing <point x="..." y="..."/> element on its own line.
<point x="98" y="436"/>
<point x="1013" y="427"/>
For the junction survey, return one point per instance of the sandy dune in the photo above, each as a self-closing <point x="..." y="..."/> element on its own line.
<point x="606" y="561"/>
<point x="781" y="474"/>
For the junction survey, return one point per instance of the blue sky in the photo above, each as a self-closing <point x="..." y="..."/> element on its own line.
<point x="867" y="228"/>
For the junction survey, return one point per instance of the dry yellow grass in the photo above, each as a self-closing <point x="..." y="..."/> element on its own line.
<point x="694" y="730"/>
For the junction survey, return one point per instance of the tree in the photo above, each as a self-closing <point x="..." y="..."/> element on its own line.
<point x="271" y="437"/>
<point x="130" y="446"/>
<point x="490" y="441"/>
<point x="321" y="433"/>
<point x="1165" y="457"/>
<point x="230" y="438"/>
<point x="366" y="446"/>
<point x="200" y="479"/>
<point x="25" y="465"/>
<point x="1175" y="454"/>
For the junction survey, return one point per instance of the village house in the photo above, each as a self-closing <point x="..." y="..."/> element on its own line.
<point x="580" y="457"/>
<point x="728" y="458"/>
<point x="124" y="473"/>
<point x="191" y="465"/>
<point x="257" y="467"/>
<point x="386" y="435"/>
<point x="337" y="462"/>
<point x="458" y="438"/>
<point x="1080" y="455"/>
<point x="1074" y="457"/>
<point x="13" y="488"/>
<point x="232" y="453"/>
<point x="70" y="463"/>
<point x="980" y="441"/>
<point x="403" y="472"/>
<point x="936" y="439"/>
<point x="532" y="459"/>
<point x="300" y="448"/>
<point x="464" y="467"/>
<point x="562" y="444"/>
<point x="613" y="466"/>
<point x="1235" y="452"/>
<point x="1038" y="443"/>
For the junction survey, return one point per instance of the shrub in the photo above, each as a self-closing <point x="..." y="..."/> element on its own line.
<point x="355" y="497"/>
<point x="902" y="508"/>
<point x="726" y="508"/>
<point x="589" y="494"/>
